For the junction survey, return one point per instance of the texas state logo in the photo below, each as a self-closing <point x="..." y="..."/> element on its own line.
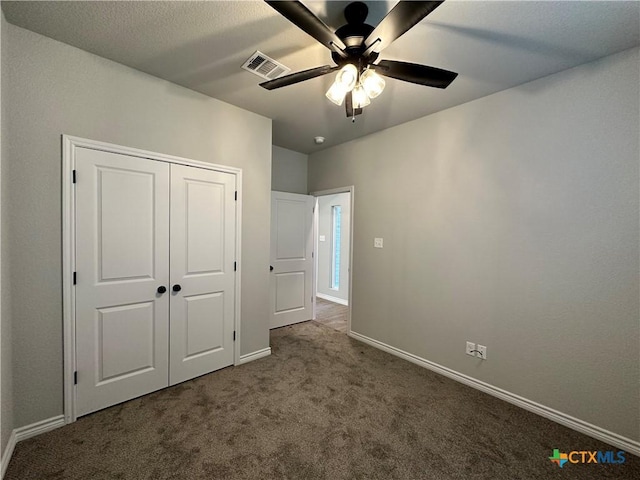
<point x="586" y="456"/>
<point x="559" y="458"/>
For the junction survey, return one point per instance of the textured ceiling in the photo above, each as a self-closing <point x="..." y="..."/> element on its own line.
<point x="201" y="45"/>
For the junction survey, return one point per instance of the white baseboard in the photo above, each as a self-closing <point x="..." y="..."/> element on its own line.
<point x="332" y="299"/>
<point x="250" y="357"/>
<point x="28" y="431"/>
<point x="618" y="441"/>
<point x="37" y="428"/>
<point x="8" y="452"/>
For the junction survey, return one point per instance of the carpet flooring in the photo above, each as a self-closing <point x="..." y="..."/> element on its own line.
<point x="331" y="314"/>
<point x="322" y="406"/>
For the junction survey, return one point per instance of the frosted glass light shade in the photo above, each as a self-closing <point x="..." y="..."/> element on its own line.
<point x="336" y="93"/>
<point x="347" y="77"/>
<point x="372" y="83"/>
<point x="360" y="98"/>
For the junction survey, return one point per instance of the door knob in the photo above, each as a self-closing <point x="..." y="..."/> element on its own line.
<point x="271" y="268"/>
<point x="177" y="287"/>
<point x="162" y="289"/>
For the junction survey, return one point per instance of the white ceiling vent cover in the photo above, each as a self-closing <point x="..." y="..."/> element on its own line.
<point x="264" y="66"/>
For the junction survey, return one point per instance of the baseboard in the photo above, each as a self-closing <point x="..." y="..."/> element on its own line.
<point x="250" y="357"/>
<point x="329" y="298"/>
<point x="37" y="428"/>
<point x="6" y="455"/>
<point x="28" y="431"/>
<point x="618" y="441"/>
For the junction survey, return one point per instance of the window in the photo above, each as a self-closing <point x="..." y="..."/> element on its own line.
<point x="336" y="214"/>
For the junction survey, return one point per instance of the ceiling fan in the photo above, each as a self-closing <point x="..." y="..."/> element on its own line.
<point x="355" y="47"/>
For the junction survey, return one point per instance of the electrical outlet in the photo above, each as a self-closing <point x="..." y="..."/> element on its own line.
<point x="482" y="352"/>
<point x="471" y="349"/>
<point x="377" y="242"/>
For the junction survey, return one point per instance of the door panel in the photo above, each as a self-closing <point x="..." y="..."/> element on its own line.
<point x="125" y="340"/>
<point x="122" y="256"/>
<point x="204" y="239"/>
<point x="115" y="214"/>
<point x="291" y="258"/>
<point x="202" y="263"/>
<point x="291" y="228"/>
<point x="204" y="336"/>
<point x="290" y="291"/>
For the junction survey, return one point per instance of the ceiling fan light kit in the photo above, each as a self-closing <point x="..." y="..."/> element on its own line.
<point x="355" y="48"/>
<point x="347" y="77"/>
<point x="344" y="83"/>
<point x="372" y="82"/>
<point x="360" y="97"/>
<point x="369" y="85"/>
<point x="336" y="93"/>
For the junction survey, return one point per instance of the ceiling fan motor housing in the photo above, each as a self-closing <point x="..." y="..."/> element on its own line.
<point x="353" y="35"/>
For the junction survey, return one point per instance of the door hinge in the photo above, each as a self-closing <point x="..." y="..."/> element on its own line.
<point x="236" y="196"/>
<point x="75" y="377"/>
<point x="74" y="176"/>
<point x="74" y="278"/>
<point x="234" y="335"/>
<point x="311" y="254"/>
<point x="235" y="266"/>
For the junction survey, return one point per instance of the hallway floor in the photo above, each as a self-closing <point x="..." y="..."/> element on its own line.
<point x="332" y="314"/>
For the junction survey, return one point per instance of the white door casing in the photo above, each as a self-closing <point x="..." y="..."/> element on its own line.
<point x="122" y="323"/>
<point x="202" y="264"/>
<point x="291" y="258"/>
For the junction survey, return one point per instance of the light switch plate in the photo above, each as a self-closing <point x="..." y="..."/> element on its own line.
<point x="377" y="242"/>
<point x="322" y="238"/>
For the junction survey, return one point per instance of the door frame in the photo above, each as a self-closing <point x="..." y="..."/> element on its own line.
<point x="69" y="145"/>
<point x="321" y="193"/>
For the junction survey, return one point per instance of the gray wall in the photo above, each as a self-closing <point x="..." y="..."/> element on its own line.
<point x="54" y="89"/>
<point x="288" y="171"/>
<point x="6" y="375"/>
<point x="325" y="227"/>
<point x="511" y="221"/>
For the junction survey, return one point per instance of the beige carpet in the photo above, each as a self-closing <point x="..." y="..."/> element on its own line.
<point x="332" y="314"/>
<point x="322" y="406"/>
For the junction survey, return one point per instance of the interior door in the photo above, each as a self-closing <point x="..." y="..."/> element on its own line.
<point x="291" y="258"/>
<point x="202" y="271"/>
<point x="122" y="257"/>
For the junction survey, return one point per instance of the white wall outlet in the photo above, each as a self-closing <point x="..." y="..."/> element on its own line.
<point x="482" y="352"/>
<point x="471" y="347"/>
<point x="322" y="238"/>
<point x="377" y="242"/>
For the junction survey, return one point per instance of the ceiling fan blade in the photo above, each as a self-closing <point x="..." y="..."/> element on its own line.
<point x="415" y="73"/>
<point x="400" y="19"/>
<point x="298" y="77"/>
<point x="348" y="103"/>
<point x="305" y="19"/>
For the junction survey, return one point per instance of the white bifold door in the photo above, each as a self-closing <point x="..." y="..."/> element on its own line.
<point x="155" y="280"/>
<point x="291" y="258"/>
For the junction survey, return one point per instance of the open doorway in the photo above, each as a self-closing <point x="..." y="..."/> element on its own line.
<point x="333" y="228"/>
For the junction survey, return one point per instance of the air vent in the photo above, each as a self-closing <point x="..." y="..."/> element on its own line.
<point x="264" y="66"/>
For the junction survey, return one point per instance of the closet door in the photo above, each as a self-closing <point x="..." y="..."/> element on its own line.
<point x="202" y="271"/>
<point x="122" y="257"/>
